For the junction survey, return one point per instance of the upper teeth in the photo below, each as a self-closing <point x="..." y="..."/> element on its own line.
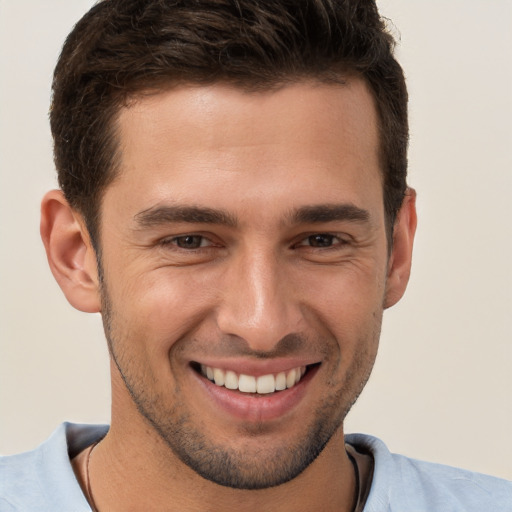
<point x="250" y="384"/>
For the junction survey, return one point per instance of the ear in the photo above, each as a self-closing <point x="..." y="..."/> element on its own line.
<point x="70" y="252"/>
<point x="399" y="265"/>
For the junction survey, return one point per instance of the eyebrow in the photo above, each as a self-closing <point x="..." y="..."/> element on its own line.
<point x="328" y="213"/>
<point x="166" y="214"/>
<point x="315" y="214"/>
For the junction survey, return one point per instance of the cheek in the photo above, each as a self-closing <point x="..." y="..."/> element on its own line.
<point x="160" y="307"/>
<point x="347" y="308"/>
<point x="347" y="295"/>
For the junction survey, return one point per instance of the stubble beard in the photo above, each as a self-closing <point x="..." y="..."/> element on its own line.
<point x="237" y="468"/>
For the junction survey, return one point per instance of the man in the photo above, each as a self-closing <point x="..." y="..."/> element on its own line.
<point x="234" y="204"/>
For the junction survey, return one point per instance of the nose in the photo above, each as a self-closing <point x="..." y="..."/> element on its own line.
<point x="259" y="301"/>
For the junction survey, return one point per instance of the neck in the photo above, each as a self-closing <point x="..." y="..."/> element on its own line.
<point x="124" y="471"/>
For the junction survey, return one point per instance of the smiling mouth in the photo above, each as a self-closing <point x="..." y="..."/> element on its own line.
<point x="261" y="385"/>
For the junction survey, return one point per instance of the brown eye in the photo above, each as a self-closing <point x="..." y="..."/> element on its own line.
<point x="321" y="240"/>
<point x="189" y="241"/>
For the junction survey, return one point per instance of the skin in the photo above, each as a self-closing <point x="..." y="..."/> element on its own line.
<point x="259" y="292"/>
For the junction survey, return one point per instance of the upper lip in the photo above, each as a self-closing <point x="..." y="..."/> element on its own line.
<point x="256" y="367"/>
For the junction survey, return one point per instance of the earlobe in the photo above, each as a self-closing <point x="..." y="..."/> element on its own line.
<point x="399" y="266"/>
<point x="70" y="253"/>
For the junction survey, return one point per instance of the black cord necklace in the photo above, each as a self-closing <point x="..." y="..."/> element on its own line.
<point x="88" y="479"/>
<point x="357" y="494"/>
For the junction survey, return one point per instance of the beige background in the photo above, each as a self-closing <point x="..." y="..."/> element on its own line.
<point x="442" y="386"/>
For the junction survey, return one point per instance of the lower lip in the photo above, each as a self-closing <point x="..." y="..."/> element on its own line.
<point x="257" y="408"/>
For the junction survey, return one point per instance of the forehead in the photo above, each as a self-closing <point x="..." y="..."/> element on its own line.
<point x="215" y="144"/>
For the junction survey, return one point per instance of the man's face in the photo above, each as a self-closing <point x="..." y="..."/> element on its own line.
<point x="244" y="237"/>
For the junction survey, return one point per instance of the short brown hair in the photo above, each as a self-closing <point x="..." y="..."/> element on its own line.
<point x="122" y="47"/>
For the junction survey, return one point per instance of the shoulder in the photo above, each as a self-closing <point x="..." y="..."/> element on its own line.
<point x="43" y="479"/>
<point x="403" y="484"/>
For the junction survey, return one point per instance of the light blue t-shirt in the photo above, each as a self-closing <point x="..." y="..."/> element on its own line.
<point x="42" y="480"/>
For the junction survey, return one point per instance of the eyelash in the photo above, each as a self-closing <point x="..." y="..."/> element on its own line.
<point x="175" y="242"/>
<point x="334" y="241"/>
